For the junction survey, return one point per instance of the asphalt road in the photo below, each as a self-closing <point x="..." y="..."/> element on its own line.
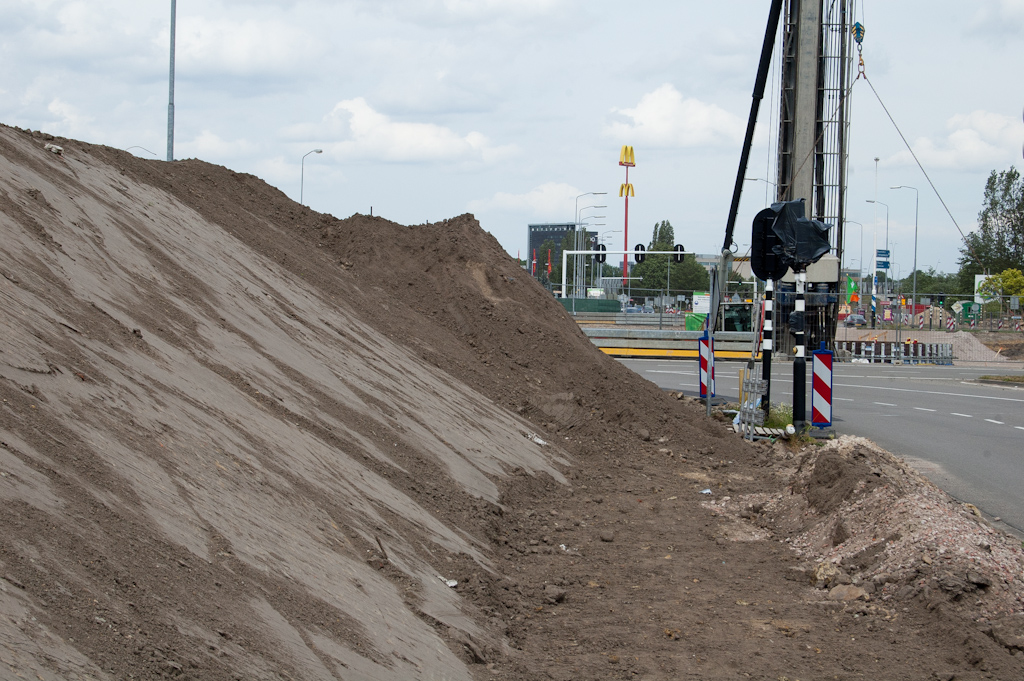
<point x="966" y="436"/>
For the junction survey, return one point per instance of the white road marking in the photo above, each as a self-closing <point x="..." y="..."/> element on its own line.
<point x="885" y="404"/>
<point x="843" y="399"/>
<point x="923" y="409"/>
<point x="998" y="423"/>
<point x="931" y="392"/>
<point x="969" y="416"/>
<point x="1019" y="427"/>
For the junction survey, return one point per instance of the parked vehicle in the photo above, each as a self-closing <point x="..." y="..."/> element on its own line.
<point x="855" y="320"/>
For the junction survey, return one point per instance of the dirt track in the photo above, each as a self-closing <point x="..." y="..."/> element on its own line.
<point x="243" y="440"/>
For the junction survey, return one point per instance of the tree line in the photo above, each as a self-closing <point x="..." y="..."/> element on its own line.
<point x="996" y="248"/>
<point x="653" y="274"/>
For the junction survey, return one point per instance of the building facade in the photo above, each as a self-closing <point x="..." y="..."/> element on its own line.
<point x="556" y="231"/>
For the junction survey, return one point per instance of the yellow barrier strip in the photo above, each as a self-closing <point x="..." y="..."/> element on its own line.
<point x="651" y="352"/>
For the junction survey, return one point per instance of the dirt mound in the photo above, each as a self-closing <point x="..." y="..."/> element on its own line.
<point x="242" y="439"/>
<point x="1005" y="345"/>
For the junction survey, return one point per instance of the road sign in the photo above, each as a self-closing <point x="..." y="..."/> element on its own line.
<point x="1014" y="302"/>
<point x="882" y="264"/>
<point x="882" y="253"/>
<point x="821" y="391"/>
<point x="707" y="365"/>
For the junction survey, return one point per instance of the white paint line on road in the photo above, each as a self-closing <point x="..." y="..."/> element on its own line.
<point x="885" y="404"/>
<point x="969" y="416"/>
<point x="931" y="392"/>
<point x="923" y="409"/>
<point x="843" y="399"/>
<point x="1019" y="427"/>
<point x="998" y="423"/>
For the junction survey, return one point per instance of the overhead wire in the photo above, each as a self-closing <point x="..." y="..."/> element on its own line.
<point x="862" y="73"/>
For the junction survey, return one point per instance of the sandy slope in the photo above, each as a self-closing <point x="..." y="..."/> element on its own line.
<point x="240" y="439"/>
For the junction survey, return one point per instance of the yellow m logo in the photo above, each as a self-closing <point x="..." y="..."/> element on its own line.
<point x="626" y="190"/>
<point x="626" y="157"/>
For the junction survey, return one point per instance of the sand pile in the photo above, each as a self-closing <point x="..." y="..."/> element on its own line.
<point x="240" y="439"/>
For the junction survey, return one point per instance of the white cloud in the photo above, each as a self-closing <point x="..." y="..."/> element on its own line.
<point x="250" y="47"/>
<point x="977" y="140"/>
<point x="69" y="121"/>
<point x="208" y="146"/>
<point x="475" y="12"/>
<point x="371" y="135"/>
<point x="551" y="198"/>
<point x="1004" y="18"/>
<point x="664" y="118"/>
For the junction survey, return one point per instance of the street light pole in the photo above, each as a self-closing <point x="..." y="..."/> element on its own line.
<point x="170" y="95"/>
<point x="579" y="278"/>
<point x="576" y="225"/>
<point x="886" y="231"/>
<point x="767" y="183"/>
<point x="302" y="173"/>
<point x="583" y="238"/>
<point x="913" y="300"/>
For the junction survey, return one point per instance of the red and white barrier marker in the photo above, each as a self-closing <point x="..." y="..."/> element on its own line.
<point x="920" y="324"/>
<point x="821" y="389"/>
<point x="1000" y="325"/>
<point x="707" y="366"/>
<point x="950" y="324"/>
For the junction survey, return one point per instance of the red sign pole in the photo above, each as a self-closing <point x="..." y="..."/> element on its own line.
<point x="626" y="159"/>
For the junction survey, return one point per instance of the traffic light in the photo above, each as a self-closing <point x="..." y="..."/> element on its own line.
<point x="638" y="253"/>
<point x="764" y="261"/>
<point x="601" y="257"/>
<point x="677" y="253"/>
<point x="942" y="299"/>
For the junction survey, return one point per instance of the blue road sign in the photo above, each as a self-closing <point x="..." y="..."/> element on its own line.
<point x="882" y="264"/>
<point x="882" y="253"/>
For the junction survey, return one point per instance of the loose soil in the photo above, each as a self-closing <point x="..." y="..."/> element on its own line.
<point x="240" y="439"/>
<point x="1007" y="345"/>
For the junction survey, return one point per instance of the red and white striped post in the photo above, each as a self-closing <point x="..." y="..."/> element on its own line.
<point x="920" y="324"/>
<point x="821" y="388"/>
<point x="707" y="366"/>
<point x="950" y="323"/>
<point x="1000" y="324"/>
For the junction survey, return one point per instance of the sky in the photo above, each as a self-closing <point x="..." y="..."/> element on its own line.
<point x="512" y="109"/>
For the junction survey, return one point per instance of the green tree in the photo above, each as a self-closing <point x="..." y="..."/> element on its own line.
<point x="998" y="243"/>
<point x="664" y="235"/>
<point x="548" y="246"/>
<point x="685" y="276"/>
<point x="570" y="243"/>
<point x="931" y="283"/>
<point x="1009" y="282"/>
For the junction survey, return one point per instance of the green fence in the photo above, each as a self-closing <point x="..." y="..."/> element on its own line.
<point x="590" y="305"/>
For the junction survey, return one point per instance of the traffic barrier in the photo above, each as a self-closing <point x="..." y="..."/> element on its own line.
<point x="950" y="323"/>
<point x="821" y="389"/>
<point x="920" y="324"/>
<point x="884" y="352"/>
<point x="707" y="366"/>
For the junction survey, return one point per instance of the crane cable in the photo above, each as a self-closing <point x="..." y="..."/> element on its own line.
<point x="858" y="35"/>
<point x="924" y="172"/>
